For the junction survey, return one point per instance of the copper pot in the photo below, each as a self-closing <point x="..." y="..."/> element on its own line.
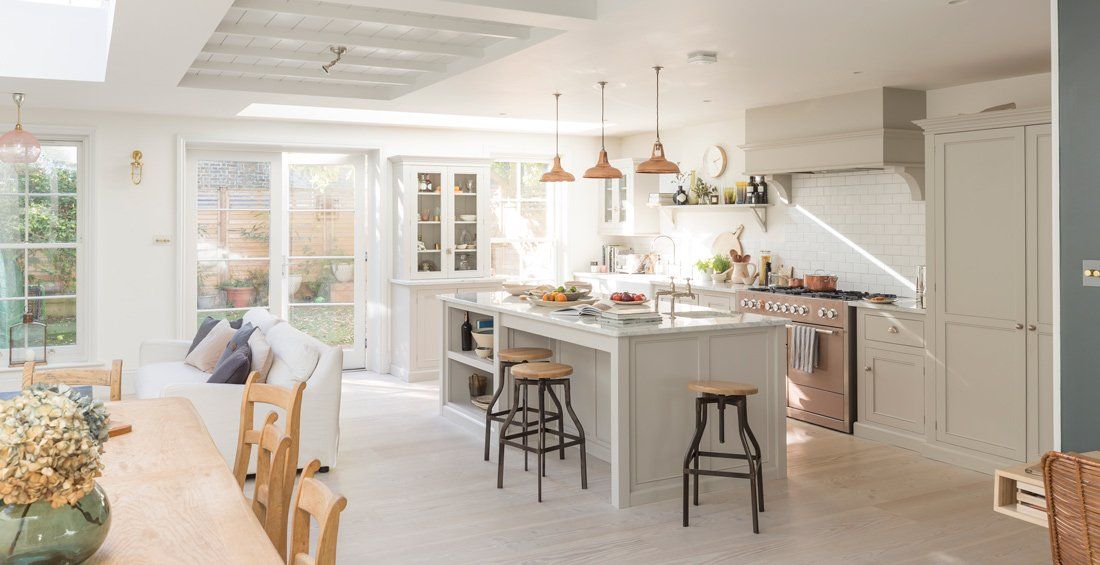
<point x="820" y="283"/>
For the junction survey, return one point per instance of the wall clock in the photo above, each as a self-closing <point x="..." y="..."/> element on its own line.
<point x="714" y="161"/>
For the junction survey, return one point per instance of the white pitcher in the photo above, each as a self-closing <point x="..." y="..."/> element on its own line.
<point x="741" y="273"/>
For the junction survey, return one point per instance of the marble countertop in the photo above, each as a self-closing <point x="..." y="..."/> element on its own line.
<point x="696" y="284"/>
<point x="505" y="303"/>
<point x="908" y="305"/>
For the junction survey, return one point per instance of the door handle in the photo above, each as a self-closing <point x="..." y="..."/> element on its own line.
<point x="892" y="329"/>
<point x="1032" y="327"/>
<point x="1019" y="326"/>
<point x="867" y="368"/>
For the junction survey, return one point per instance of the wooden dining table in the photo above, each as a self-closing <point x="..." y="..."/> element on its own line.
<point x="173" y="498"/>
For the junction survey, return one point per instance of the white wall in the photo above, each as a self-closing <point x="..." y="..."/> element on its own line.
<point x="875" y="233"/>
<point x="136" y="280"/>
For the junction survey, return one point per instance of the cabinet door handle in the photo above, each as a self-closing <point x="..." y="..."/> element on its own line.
<point x="892" y="329"/>
<point x="867" y="368"/>
<point x="1032" y="327"/>
<point x="1019" y="326"/>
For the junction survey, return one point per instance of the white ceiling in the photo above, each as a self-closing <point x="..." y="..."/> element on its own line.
<point x="769" y="51"/>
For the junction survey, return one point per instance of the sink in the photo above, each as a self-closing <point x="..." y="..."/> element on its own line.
<point x="702" y="314"/>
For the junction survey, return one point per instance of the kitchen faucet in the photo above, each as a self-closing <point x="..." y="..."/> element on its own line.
<point x="673" y="242"/>
<point x="673" y="294"/>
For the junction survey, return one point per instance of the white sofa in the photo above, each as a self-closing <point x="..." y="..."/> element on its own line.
<point x="163" y="373"/>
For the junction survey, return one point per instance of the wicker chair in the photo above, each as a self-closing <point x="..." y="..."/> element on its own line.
<point x="1072" y="485"/>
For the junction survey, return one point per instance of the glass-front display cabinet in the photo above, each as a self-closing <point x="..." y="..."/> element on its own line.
<point x="441" y="209"/>
<point x="623" y="202"/>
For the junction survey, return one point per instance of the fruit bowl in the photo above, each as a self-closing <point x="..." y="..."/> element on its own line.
<point x="518" y="289"/>
<point x="628" y="298"/>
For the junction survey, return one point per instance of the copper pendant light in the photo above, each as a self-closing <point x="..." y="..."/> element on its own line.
<point x="657" y="164"/>
<point x="556" y="173"/>
<point x="603" y="169"/>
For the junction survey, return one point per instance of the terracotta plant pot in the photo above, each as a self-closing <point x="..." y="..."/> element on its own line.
<point x="239" y="297"/>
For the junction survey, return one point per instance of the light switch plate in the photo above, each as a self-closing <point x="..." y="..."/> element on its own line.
<point x="1090" y="269"/>
<point x="162" y="240"/>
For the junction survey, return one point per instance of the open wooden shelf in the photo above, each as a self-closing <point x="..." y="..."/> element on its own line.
<point x="759" y="211"/>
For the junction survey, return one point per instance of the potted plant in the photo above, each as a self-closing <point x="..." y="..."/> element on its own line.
<point x="720" y="267"/>
<point x="239" y="292"/>
<point x="702" y="269"/>
<point x="53" y="510"/>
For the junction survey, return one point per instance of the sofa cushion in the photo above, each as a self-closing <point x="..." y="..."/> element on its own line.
<point x="261" y="318"/>
<point x="233" y="369"/>
<point x="152" y="378"/>
<point x="209" y="350"/>
<point x="262" y="357"/>
<point x="204" y="329"/>
<point x="295" y="355"/>
<point x="239" y="339"/>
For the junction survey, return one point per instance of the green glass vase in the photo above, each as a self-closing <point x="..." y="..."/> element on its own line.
<point x="39" y="533"/>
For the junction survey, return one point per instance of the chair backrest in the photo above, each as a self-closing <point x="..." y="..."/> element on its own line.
<point x="270" y="499"/>
<point x="314" y="499"/>
<point x="1072" y="486"/>
<point x="111" y="378"/>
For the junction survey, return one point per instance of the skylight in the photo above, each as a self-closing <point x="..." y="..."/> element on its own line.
<point x="56" y="39"/>
<point x="412" y="119"/>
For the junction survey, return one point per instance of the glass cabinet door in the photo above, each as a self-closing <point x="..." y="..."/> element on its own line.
<point x="610" y="196"/>
<point x="467" y="193"/>
<point x="621" y="199"/>
<point x="429" y="220"/>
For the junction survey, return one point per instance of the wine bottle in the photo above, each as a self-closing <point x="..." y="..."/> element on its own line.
<point x="467" y="334"/>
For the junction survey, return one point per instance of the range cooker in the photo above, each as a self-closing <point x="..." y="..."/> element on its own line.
<point x="827" y="395"/>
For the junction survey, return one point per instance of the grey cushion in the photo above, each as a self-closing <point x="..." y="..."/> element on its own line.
<point x="239" y="339"/>
<point x="234" y="368"/>
<point x="204" y="329"/>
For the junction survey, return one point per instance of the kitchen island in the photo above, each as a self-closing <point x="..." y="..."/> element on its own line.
<point x="630" y="384"/>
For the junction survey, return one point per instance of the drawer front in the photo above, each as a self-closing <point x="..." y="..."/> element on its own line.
<point x="815" y="400"/>
<point x="887" y="328"/>
<point x="721" y="302"/>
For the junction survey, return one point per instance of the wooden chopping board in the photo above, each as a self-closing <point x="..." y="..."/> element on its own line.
<point x="728" y="241"/>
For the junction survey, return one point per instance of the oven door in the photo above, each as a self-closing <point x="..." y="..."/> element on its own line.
<point x="824" y="393"/>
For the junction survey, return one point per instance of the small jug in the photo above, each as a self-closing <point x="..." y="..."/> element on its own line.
<point x="741" y="273"/>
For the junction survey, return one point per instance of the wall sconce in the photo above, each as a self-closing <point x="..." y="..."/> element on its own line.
<point x="135" y="167"/>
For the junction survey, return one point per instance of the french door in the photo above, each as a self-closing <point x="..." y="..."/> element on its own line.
<point x="281" y="231"/>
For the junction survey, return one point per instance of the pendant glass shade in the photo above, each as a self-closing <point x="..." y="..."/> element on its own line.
<point x="18" y="145"/>
<point x="556" y="172"/>
<point x="603" y="169"/>
<point x="657" y="164"/>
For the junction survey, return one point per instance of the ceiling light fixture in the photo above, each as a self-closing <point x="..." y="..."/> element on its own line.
<point x="337" y="50"/>
<point x="657" y="164"/>
<point x="19" y="145"/>
<point x="603" y="169"/>
<point x="702" y="57"/>
<point x="556" y="173"/>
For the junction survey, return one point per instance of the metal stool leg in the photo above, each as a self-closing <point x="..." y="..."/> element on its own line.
<point x="580" y="434"/>
<point x="503" y="432"/>
<point x="504" y="365"/>
<point x="525" y="424"/>
<point x="541" y="456"/>
<point x="742" y="424"/>
<point x="759" y="462"/>
<point x="561" y="420"/>
<point x="704" y="406"/>
<point x="693" y="453"/>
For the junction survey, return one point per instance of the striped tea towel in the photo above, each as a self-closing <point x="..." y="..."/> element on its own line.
<point x="803" y="348"/>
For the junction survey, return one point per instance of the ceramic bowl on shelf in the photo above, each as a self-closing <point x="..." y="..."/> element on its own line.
<point x="483" y="338"/>
<point x="485" y="352"/>
<point x="467" y="217"/>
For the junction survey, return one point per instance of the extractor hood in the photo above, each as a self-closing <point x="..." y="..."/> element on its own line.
<point x="860" y="131"/>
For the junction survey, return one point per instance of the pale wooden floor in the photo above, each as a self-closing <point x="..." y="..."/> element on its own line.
<point x="418" y="491"/>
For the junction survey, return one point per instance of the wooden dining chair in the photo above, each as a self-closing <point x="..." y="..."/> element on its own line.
<point x="270" y="500"/>
<point x="111" y="378"/>
<point x="314" y="500"/>
<point x="1072" y="486"/>
<point x="262" y="395"/>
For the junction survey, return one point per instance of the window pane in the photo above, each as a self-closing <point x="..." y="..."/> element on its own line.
<point x="11" y="273"/>
<point x="59" y="315"/>
<point x="226" y="234"/>
<point x="534" y="216"/>
<point x="333" y="325"/>
<point x="234" y="184"/>
<point x="51" y="219"/>
<point x="220" y="315"/>
<point x="11" y="312"/>
<point x="503" y="180"/>
<point x="55" y="170"/>
<point x="51" y="272"/>
<point x="232" y="284"/>
<point x="11" y="181"/>
<point x="316" y="281"/>
<point x="210" y="275"/>
<point x="322" y="187"/>
<point x="322" y="233"/>
<point x="11" y="219"/>
<point x="523" y="259"/>
<point x="531" y="187"/>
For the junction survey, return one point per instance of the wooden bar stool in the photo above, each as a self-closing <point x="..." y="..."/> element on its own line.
<point x="544" y="376"/>
<point x="509" y="358"/>
<point x="723" y="393"/>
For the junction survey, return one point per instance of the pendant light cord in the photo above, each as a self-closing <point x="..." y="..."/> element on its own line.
<point x="603" y="121"/>
<point x="17" y="97"/>
<point x="557" y="96"/>
<point x="658" y="69"/>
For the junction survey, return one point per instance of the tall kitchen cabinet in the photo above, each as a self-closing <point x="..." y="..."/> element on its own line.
<point x="441" y="246"/>
<point x="990" y="312"/>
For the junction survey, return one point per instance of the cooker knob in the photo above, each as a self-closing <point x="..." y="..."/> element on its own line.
<point x="802" y="310"/>
<point x="756" y="304"/>
<point x="820" y="312"/>
<point x="769" y="306"/>
<point x="744" y="302"/>
<point x="831" y="313"/>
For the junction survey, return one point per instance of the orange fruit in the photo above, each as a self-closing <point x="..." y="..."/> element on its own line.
<point x="561" y="298"/>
